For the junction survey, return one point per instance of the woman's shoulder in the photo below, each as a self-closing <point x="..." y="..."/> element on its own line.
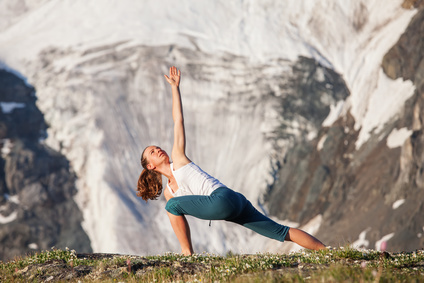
<point x="179" y="159"/>
<point x="180" y="164"/>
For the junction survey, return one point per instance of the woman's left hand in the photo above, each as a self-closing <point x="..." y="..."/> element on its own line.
<point x="174" y="76"/>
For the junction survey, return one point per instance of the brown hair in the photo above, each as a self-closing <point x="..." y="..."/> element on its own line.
<point x="149" y="184"/>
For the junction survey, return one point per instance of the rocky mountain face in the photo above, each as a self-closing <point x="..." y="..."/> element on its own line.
<point x="375" y="191"/>
<point x="37" y="185"/>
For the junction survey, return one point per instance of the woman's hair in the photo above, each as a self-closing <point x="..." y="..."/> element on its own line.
<point x="149" y="184"/>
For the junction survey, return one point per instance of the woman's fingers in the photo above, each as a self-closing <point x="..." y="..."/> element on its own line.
<point x="174" y="76"/>
<point x="174" y="71"/>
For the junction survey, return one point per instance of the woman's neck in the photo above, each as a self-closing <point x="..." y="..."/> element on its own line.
<point x="165" y="169"/>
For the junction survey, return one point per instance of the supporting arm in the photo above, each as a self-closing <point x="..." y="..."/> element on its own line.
<point x="182" y="230"/>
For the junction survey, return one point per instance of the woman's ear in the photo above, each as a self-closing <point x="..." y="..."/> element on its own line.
<point x="150" y="167"/>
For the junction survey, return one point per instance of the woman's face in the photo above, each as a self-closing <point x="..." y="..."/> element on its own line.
<point x="155" y="156"/>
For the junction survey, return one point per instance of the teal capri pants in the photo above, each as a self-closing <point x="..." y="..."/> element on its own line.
<point x="226" y="204"/>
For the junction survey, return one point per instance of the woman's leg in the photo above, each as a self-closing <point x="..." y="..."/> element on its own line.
<point x="182" y="231"/>
<point x="225" y="204"/>
<point x="304" y="239"/>
<point x="218" y="206"/>
<point x="251" y="218"/>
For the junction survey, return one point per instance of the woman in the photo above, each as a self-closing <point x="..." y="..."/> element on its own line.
<point x="191" y="191"/>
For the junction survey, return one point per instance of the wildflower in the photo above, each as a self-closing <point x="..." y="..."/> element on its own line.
<point x="129" y="265"/>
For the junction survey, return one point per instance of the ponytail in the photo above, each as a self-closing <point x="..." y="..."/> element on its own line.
<point x="149" y="184"/>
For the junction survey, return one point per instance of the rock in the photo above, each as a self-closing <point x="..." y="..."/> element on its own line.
<point x="302" y="181"/>
<point x="37" y="184"/>
<point x="411" y="4"/>
<point x="354" y="190"/>
<point x="19" y="116"/>
<point x="405" y="58"/>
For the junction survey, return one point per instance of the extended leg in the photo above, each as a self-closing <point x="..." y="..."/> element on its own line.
<point x="182" y="230"/>
<point x="251" y="218"/>
<point x="304" y="239"/>
<point x="256" y="221"/>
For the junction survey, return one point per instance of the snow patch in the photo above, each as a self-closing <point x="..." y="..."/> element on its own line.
<point x="6" y="148"/>
<point x="321" y="142"/>
<point x="14" y="198"/>
<point x="8" y="107"/>
<point x="419" y="235"/>
<point x="335" y="112"/>
<point x="33" y="246"/>
<point x="384" y="239"/>
<point x="7" y="219"/>
<point x="398" y="203"/>
<point x="386" y="101"/>
<point x="311" y="135"/>
<point x="362" y="242"/>
<point x="398" y="137"/>
<point x="12" y="216"/>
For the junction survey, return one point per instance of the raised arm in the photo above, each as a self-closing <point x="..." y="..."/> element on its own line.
<point x="178" y="151"/>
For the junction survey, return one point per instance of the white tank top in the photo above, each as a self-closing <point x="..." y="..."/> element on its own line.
<point x="192" y="180"/>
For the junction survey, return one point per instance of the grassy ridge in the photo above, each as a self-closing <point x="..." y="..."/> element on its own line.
<point x="341" y="264"/>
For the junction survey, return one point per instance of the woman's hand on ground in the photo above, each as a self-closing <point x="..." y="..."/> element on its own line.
<point x="187" y="252"/>
<point x="174" y="76"/>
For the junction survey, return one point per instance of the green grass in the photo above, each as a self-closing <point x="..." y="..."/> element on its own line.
<point x="333" y="265"/>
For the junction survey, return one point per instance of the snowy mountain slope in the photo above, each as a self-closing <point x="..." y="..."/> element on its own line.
<point x="99" y="83"/>
<point x="350" y="36"/>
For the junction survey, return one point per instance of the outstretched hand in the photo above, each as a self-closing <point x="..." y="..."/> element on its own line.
<point x="174" y="76"/>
